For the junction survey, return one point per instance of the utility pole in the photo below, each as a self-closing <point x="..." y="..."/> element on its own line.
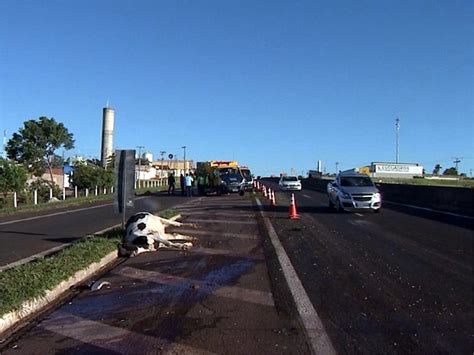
<point x="457" y="160"/>
<point x="397" y="126"/>
<point x="161" y="170"/>
<point x="140" y="147"/>
<point x="185" y="167"/>
<point x="337" y="164"/>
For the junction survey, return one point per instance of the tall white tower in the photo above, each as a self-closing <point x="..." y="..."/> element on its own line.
<point x="108" y="118"/>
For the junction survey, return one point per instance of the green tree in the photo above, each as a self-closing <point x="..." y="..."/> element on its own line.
<point x="451" y="171"/>
<point x="12" y="177"/>
<point x="89" y="176"/>
<point x="436" y="169"/>
<point x="34" y="144"/>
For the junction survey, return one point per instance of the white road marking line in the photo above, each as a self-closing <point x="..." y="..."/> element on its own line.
<point x="429" y="209"/>
<point x="312" y="324"/>
<point x="358" y="214"/>
<point x="225" y="221"/>
<point x="116" y="339"/>
<point x="193" y="232"/>
<point x="306" y="196"/>
<point x="60" y="213"/>
<point x="232" y="292"/>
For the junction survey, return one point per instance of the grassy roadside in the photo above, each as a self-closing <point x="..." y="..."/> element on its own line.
<point x="30" y="281"/>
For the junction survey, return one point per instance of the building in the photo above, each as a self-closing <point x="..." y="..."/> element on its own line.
<point x="108" y="119"/>
<point x="393" y="170"/>
<point x="165" y="167"/>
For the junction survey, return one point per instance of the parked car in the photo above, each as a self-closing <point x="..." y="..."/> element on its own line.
<point x="289" y="183"/>
<point x="353" y="191"/>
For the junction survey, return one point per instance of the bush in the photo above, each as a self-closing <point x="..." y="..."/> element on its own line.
<point x="43" y="187"/>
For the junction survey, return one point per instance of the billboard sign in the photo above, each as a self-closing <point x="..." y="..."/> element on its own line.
<point x="388" y="168"/>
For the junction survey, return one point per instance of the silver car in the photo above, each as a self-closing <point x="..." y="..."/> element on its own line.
<point x="354" y="191"/>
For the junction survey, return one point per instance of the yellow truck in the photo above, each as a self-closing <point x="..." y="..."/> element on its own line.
<point x="219" y="177"/>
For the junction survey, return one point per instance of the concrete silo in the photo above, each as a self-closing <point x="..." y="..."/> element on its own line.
<point x="108" y="117"/>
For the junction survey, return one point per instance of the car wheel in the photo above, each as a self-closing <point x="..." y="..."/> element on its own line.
<point x="331" y="204"/>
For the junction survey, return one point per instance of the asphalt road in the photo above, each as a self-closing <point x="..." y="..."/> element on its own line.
<point x="26" y="234"/>
<point x="395" y="282"/>
<point x="398" y="281"/>
<point x="215" y="298"/>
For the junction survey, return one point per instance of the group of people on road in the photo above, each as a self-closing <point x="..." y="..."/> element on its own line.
<point x="186" y="183"/>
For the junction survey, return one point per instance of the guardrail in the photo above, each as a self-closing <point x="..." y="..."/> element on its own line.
<point x="457" y="200"/>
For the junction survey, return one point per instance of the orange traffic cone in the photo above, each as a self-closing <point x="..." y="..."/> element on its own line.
<point x="272" y="199"/>
<point x="264" y="191"/>
<point x="293" y="213"/>
<point x="269" y="193"/>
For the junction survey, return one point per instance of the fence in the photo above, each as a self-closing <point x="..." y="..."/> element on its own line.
<point x="76" y="193"/>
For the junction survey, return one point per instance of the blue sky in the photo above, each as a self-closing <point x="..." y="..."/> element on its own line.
<point x="273" y="84"/>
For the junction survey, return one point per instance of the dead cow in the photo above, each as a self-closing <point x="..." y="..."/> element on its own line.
<point x="144" y="229"/>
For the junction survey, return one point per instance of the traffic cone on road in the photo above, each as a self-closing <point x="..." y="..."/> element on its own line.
<point x="264" y="191"/>
<point x="272" y="199"/>
<point x="293" y="213"/>
<point x="269" y="193"/>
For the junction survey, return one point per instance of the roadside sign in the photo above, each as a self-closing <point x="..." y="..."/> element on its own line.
<point x="124" y="195"/>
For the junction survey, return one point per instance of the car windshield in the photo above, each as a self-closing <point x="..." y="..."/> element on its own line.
<point x="228" y="178"/>
<point x="246" y="173"/>
<point x="356" y="181"/>
<point x="290" y="178"/>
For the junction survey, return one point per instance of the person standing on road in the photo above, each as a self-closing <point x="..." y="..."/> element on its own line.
<point x="189" y="185"/>
<point x="182" y="183"/>
<point x="171" y="183"/>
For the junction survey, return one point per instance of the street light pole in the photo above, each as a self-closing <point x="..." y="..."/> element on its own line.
<point x="397" y="125"/>
<point x="161" y="170"/>
<point x="140" y="147"/>
<point x="184" y="148"/>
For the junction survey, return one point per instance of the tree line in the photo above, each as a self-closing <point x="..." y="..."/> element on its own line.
<point x="31" y="152"/>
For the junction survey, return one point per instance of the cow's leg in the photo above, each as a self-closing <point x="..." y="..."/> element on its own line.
<point x="171" y="245"/>
<point x="167" y="222"/>
<point x="165" y="243"/>
<point x="177" y="236"/>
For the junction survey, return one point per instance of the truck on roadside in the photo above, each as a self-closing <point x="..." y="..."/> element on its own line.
<point x="219" y="177"/>
<point x="247" y="174"/>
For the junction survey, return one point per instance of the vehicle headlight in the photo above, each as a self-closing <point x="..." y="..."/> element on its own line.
<point x="377" y="196"/>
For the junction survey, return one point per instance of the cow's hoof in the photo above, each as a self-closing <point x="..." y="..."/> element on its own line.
<point x="186" y="246"/>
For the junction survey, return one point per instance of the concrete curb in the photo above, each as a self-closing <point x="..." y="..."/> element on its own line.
<point x="28" y="308"/>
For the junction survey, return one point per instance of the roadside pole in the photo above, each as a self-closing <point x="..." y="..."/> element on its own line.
<point x="124" y="191"/>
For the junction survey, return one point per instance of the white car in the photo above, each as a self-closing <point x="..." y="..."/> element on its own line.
<point x="289" y="183"/>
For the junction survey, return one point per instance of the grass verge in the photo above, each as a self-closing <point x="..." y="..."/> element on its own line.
<point x="31" y="281"/>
